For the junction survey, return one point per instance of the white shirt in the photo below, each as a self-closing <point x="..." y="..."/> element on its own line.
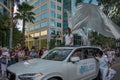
<point x="68" y="39"/>
<point x="5" y="54"/>
<point x="109" y="53"/>
<point x="111" y="74"/>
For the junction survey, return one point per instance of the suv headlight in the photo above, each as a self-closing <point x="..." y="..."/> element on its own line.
<point x="29" y="76"/>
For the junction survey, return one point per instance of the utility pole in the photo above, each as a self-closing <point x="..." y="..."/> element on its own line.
<point x="11" y="23"/>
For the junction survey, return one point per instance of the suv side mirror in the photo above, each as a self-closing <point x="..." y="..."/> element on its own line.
<point x="74" y="59"/>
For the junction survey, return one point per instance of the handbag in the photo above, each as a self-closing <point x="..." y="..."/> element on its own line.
<point x="3" y="60"/>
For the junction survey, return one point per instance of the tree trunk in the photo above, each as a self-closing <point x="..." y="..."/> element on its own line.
<point x="23" y="33"/>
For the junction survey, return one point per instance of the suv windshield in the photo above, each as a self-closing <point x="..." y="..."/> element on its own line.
<point x="58" y="54"/>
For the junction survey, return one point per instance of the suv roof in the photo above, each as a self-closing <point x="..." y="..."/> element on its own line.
<point x="73" y="47"/>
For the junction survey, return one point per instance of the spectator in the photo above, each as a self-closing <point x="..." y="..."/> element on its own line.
<point x="111" y="72"/>
<point x="21" y="54"/>
<point x="6" y="57"/>
<point x="33" y="54"/>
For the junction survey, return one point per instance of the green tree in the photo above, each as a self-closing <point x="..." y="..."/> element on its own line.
<point x="112" y="9"/>
<point x="4" y="29"/>
<point x="24" y="13"/>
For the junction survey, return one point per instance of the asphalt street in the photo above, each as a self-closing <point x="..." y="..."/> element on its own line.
<point x="116" y="66"/>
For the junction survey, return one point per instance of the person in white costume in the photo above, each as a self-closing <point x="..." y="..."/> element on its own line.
<point x="103" y="62"/>
<point x="111" y="73"/>
<point x="110" y="55"/>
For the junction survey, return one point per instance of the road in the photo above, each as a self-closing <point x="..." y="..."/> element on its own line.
<point x="116" y="66"/>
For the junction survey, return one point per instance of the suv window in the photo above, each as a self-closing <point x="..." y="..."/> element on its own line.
<point x="77" y="53"/>
<point x="89" y="52"/>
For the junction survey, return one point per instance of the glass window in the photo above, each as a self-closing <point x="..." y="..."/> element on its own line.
<point x="53" y="5"/>
<point x="58" y="16"/>
<point x="44" y="24"/>
<point x="44" y="7"/>
<point x="37" y="26"/>
<point x="38" y="18"/>
<point x="58" y="32"/>
<point x="44" y="15"/>
<point x="43" y="1"/>
<point x="52" y="14"/>
<point x="31" y="28"/>
<point x="58" y="54"/>
<point x="58" y="8"/>
<point x="58" y="24"/>
<point x="52" y="23"/>
<point x="37" y="10"/>
<point x="30" y="1"/>
<point x="52" y="31"/>
<point x="43" y="33"/>
<point x="37" y="3"/>
<point x="59" y="1"/>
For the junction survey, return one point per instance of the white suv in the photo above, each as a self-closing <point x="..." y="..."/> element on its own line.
<point x="59" y="64"/>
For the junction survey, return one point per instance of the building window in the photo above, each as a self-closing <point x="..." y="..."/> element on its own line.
<point x="37" y="26"/>
<point x="58" y="24"/>
<point x="58" y="16"/>
<point x="37" y="3"/>
<point x="52" y="14"/>
<point x="31" y="28"/>
<point x="38" y="18"/>
<point x="37" y="10"/>
<point x="52" y="31"/>
<point x="44" y="24"/>
<point x="44" y="7"/>
<point x="43" y="33"/>
<point x="58" y="32"/>
<point x="52" y="23"/>
<point x="44" y="15"/>
<point x="53" y="5"/>
<point x="36" y="34"/>
<point x="59" y="8"/>
<point x="30" y="1"/>
<point x="59" y="1"/>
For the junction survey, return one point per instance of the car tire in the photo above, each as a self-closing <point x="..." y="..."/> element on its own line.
<point x="55" y="78"/>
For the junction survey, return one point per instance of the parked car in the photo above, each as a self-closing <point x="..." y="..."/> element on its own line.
<point x="60" y="63"/>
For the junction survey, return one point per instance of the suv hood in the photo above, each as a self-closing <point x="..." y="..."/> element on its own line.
<point x="33" y="66"/>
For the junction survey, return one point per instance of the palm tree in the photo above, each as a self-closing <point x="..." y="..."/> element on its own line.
<point x="24" y="13"/>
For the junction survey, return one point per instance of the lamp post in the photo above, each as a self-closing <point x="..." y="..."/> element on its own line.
<point x="11" y="25"/>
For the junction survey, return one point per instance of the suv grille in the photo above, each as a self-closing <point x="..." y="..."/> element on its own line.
<point x="10" y="75"/>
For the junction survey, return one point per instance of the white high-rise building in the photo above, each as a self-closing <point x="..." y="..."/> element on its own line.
<point x="48" y="23"/>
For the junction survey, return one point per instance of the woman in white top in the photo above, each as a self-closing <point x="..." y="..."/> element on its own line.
<point x="68" y="37"/>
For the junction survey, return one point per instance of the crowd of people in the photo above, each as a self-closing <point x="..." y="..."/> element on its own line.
<point x="8" y="57"/>
<point x="106" y="60"/>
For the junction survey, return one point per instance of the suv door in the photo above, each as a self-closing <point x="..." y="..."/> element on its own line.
<point x="91" y="67"/>
<point x="74" y="68"/>
<point x="86" y="68"/>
